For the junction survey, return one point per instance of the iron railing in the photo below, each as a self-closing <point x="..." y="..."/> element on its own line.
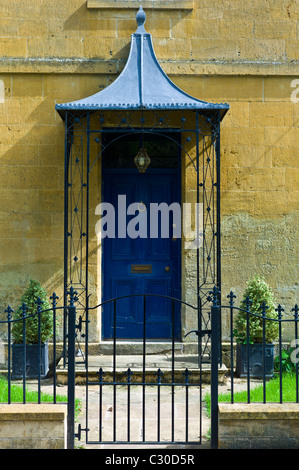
<point x="24" y="373"/>
<point x="261" y="364"/>
<point x="228" y="311"/>
<point x="19" y="365"/>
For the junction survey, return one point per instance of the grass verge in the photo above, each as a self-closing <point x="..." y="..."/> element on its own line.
<point x="256" y="394"/>
<point x="31" y="396"/>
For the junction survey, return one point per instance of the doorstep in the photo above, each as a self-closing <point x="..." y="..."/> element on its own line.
<point x="149" y="369"/>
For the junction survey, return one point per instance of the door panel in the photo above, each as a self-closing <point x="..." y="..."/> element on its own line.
<point x="156" y="246"/>
<point x="122" y="247"/>
<point x="126" y="309"/>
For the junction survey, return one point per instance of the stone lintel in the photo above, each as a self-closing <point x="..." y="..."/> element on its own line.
<point x="133" y="5"/>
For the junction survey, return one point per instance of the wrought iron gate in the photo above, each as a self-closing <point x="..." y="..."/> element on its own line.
<point x="148" y="398"/>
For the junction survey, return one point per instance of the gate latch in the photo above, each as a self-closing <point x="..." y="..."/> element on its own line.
<point x="78" y="434"/>
<point x="200" y="333"/>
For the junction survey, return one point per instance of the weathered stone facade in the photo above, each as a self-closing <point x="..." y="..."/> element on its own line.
<point x="243" y="53"/>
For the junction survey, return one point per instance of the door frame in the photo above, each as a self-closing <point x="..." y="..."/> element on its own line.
<point x="178" y="172"/>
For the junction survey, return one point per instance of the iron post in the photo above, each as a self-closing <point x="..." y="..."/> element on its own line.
<point x="214" y="367"/>
<point x="71" y="371"/>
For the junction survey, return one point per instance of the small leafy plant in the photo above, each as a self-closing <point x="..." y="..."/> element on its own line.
<point x="257" y="293"/>
<point x="287" y="362"/>
<point x="30" y="298"/>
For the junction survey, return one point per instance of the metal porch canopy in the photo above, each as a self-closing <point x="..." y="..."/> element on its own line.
<point x="141" y="85"/>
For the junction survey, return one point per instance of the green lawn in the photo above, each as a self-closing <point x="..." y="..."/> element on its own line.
<point x="31" y="396"/>
<point x="256" y="394"/>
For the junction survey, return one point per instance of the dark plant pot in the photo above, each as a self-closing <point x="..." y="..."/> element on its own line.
<point x="32" y="351"/>
<point x="255" y="360"/>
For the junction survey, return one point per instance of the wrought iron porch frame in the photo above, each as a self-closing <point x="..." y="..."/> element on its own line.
<point x="76" y="207"/>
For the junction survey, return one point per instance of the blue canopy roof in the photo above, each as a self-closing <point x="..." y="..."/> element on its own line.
<point x="142" y="84"/>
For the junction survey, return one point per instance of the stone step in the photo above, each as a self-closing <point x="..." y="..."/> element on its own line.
<point x="136" y="347"/>
<point x="134" y="362"/>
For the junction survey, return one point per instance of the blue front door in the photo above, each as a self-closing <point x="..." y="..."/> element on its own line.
<point x="143" y="257"/>
<point x="145" y="264"/>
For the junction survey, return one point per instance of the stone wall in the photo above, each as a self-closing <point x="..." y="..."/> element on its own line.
<point x="220" y="51"/>
<point x="258" y="426"/>
<point x="32" y="426"/>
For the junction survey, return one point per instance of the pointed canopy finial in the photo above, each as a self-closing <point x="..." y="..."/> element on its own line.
<point x="140" y="18"/>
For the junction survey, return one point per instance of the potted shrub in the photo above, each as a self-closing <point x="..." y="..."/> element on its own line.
<point x="30" y="298"/>
<point x="257" y="294"/>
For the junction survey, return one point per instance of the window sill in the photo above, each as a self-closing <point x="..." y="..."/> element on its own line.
<point x="132" y="4"/>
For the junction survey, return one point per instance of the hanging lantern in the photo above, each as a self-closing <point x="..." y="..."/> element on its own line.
<point x="142" y="160"/>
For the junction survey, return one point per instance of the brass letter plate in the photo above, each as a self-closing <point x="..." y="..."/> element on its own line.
<point x="141" y="268"/>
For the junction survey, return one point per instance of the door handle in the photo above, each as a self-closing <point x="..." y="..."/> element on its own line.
<point x="167" y="268"/>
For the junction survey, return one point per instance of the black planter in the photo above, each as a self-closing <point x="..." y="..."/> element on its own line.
<point x="255" y="360"/>
<point x="32" y="351"/>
